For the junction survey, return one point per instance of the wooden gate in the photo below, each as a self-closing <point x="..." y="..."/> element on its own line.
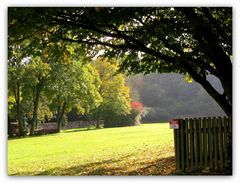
<point x="203" y="142"/>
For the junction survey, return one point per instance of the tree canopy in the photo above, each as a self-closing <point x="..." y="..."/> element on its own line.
<point x="192" y="41"/>
<point x="116" y="95"/>
<point x="73" y="85"/>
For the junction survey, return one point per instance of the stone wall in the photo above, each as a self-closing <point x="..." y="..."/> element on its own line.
<point x="52" y="125"/>
<point x="78" y="124"/>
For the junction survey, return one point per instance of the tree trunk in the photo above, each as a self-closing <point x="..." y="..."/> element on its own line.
<point x="36" y="97"/>
<point x="19" y="119"/>
<point x="60" y="114"/>
<point x="97" y="124"/>
<point x="34" y="118"/>
<point x="10" y="132"/>
<point x="19" y="110"/>
<point x="222" y="62"/>
<point x="98" y="116"/>
<point x="221" y="99"/>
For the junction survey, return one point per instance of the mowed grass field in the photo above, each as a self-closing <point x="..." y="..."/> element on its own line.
<point x="147" y="149"/>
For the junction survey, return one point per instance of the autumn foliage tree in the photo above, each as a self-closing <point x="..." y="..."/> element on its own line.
<point x="137" y="106"/>
<point x="138" y="111"/>
<point x="115" y="106"/>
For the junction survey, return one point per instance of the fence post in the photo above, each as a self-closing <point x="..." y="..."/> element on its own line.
<point x="177" y="151"/>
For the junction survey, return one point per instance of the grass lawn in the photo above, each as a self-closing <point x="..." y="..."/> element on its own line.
<point x="141" y="150"/>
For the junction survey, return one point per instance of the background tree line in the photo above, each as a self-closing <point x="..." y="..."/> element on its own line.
<point x="51" y="83"/>
<point x="169" y="96"/>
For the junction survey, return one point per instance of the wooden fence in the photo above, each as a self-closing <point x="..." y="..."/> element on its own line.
<point x="203" y="143"/>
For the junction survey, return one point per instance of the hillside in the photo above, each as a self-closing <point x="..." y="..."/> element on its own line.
<point x="170" y="96"/>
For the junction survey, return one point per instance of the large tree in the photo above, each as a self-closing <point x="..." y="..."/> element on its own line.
<point x="191" y="41"/>
<point x="15" y="85"/>
<point x="73" y="85"/>
<point x="115" y="93"/>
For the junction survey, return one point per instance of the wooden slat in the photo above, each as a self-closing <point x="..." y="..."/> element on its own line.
<point x="182" y="145"/>
<point x="191" y="142"/>
<point x="176" y="148"/>
<point x="230" y="137"/>
<point x="215" y="142"/>
<point x="205" y="147"/>
<point x="225" y="125"/>
<point x="187" y="142"/>
<point x="220" y="142"/>
<point x="210" y="142"/>
<point x="196" y="142"/>
<point x="200" y="135"/>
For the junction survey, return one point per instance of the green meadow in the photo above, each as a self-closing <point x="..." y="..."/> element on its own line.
<point x="147" y="149"/>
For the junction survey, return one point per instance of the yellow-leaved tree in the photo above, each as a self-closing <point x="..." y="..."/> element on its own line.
<point x="115" y="108"/>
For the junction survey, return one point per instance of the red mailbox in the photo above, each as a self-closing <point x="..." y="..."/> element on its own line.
<point x="174" y="124"/>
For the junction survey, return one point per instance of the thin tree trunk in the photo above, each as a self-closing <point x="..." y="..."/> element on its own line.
<point x="97" y="124"/>
<point x="36" y="97"/>
<point x="34" y="118"/>
<point x="61" y="112"/>
<point x="10" y="132"/>
<point x="58" y="116"/>
<point x="19" y="110"/>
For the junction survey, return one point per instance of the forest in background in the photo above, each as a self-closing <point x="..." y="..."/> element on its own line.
<point x="169" y="96"/>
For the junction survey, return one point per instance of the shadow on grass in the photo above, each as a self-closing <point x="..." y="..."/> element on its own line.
<point x="54" y="134"/>
<point x="80" y="130"/>
<point x="33" y="136"/>
<point x="115" y="167"/>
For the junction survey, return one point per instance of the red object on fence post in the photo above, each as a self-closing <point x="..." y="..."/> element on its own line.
<point x="174" y="123"/>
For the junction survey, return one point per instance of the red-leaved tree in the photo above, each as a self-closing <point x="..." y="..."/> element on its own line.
<point x="138" y="109"/>
<point x="138" y="106"/>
